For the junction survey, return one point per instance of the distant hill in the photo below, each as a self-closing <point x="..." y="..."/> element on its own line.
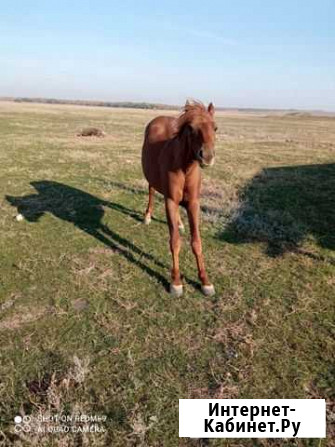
<point x="80" y="102"/>
<point x="154" y="106"/>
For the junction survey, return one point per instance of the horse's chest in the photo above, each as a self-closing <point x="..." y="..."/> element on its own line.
<point x="192" y="186"/>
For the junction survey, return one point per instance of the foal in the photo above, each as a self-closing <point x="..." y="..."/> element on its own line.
<point x="173" y="151"/>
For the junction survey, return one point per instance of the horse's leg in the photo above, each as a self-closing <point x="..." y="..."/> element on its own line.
<point x="172" y="213"/>
<point x="148" y="213"/>
<point x="193" y="211"/>
<point x="180" y="223"/>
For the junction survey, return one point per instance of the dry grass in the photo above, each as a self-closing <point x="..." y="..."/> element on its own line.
<point x="86" y="322"/>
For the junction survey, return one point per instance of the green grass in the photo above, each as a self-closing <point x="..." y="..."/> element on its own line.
<point x="86" y="322"/>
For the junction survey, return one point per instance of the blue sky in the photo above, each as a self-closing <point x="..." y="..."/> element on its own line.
<point x="238" y="53"/>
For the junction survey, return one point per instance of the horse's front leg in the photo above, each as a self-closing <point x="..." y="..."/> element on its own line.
<point x="193" y="211"/>
<point x="172" y="214"/>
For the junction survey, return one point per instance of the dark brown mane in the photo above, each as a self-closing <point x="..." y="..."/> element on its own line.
<point x="193" y="113"/>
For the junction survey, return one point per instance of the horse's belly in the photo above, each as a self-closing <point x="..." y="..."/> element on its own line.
<point x="151" y="166"/>
<point x="154" y="153"/>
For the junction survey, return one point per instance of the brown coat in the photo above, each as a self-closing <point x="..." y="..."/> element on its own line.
<point x="173" y="151"/>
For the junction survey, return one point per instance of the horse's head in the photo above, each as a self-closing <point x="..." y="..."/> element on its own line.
<point x="200" y="124"/>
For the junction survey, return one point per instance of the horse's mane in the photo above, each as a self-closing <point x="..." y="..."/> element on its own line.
<point x="192" y="113"/>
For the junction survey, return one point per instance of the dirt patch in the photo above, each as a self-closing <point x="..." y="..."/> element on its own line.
<point x="24" y="317"/>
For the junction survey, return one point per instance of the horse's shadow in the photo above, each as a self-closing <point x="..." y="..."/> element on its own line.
<point x="282" y="206"/>
<point x="85" y="211"/>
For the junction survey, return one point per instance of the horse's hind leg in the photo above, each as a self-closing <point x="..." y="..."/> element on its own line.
<point x="180" y="224"/>
<point x="150" y="207"/>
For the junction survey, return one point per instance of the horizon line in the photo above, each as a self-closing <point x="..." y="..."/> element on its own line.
<point x="149" y="104"/>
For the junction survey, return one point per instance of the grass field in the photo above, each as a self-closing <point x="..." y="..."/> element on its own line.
<point x="87" y="325"/>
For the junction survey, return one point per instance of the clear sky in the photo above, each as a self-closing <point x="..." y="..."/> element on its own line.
<point x="237" y="53"/>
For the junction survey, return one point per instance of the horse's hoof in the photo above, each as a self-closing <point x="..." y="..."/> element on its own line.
<point x="176" y="290"/>
<point x="208" y="290"/>
<point x="147" y="220"/>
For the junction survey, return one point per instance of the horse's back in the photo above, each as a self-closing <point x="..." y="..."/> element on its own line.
<point x="157" y="134"/>
<point x="159" y="129"/>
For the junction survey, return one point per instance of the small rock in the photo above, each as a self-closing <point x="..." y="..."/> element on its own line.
<point x="19" y="217"/>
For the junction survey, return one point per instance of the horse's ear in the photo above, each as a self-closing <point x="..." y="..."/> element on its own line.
<point x="211" y="108"/>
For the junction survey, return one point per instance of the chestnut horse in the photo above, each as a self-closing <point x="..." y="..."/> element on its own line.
<point x="173" y="151"/>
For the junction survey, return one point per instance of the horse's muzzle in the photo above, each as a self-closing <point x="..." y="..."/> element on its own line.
<point x="205" y="160"/>
<point x="203" y="164"/>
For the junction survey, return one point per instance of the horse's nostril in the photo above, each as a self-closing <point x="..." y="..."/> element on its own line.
<point x="201" y="154"/>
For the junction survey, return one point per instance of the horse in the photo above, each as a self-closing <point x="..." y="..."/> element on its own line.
<point x="174" y="151"/>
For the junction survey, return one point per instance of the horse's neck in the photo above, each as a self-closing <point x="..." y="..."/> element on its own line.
<point x="187" y="149"/>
